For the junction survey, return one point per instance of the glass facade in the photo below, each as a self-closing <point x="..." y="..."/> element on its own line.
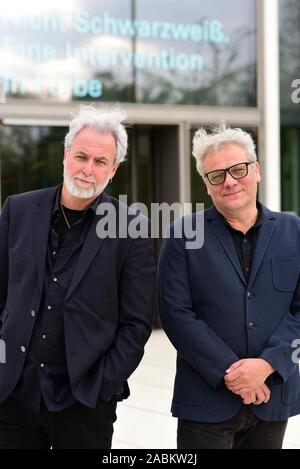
<point x="141" y="51"/>
<point x="30" y="157"/>
<point x="290" y="169"/>
<point x="290" y="104"/>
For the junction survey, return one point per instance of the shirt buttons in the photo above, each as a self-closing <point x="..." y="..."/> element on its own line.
<point x="245" y="240"/>
<point x="42" y="365"/>
<point x="33" y="313"/>
<point x="23" y="349"/>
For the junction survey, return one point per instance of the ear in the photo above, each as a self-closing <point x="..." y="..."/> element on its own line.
<point x="66" y="152"/>
<point x="257" y="172"/>
<point x="114" y="169"/>
<point x="207" y="185"/>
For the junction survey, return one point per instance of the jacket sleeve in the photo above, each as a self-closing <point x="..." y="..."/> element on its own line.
<point x="136" y="308"/>
<point x="4" y="227"/>
<point x="279" y="351"/>
<point x="192" y="337"/>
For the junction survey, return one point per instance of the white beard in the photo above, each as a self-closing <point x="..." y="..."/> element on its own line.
<point x="79" y="192"/>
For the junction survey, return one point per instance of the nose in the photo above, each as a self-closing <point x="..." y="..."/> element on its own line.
<point x="88" y="168"/>
<point x="229" y="180"/>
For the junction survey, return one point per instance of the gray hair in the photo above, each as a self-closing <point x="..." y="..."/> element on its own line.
<point x="103" y="119"/>
<point x="221" y="135"/>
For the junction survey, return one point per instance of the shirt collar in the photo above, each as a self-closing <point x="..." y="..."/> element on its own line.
<point x="56" y="206"/>
<point x="261" y="218"/>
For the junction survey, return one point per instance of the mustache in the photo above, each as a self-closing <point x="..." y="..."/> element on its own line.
<point x="84" y="178"/>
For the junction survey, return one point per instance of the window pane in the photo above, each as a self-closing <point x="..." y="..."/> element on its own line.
<point x="289" y="57"/>
<point x="290" y="169"/>
<point x="154" y="51"/>
<point x="31" y="158"/>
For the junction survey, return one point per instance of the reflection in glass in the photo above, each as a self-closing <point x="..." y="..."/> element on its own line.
<point x="131" y="51"/>
<point x="289" y="54"/>
<point x="290" y="169"/>
<point x="290" y="112"/>
<point x="31" y="158"/>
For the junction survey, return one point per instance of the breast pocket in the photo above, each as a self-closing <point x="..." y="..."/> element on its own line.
<point x="285" y="271"/>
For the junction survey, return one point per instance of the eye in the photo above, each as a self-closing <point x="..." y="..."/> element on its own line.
<point x="216" y="177"/>
<point x="239" y="170"/>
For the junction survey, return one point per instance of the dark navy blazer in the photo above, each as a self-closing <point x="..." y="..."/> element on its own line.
<point x="214" y="318"/>
<point x="107" y="311"/>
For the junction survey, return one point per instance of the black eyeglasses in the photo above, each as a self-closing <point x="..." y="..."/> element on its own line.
<point x="237" y="171"/>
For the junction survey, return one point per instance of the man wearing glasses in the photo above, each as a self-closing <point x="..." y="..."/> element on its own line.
<point x="232" y="308"/>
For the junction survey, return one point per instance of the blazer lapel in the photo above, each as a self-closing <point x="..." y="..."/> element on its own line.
<point x="89" y="250"/>
<point x="41" y="226"/>
<point x="265" y="233"/>
<point x="225" y="239"/>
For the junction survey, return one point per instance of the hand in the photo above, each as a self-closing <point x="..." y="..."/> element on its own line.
<point x="260" y="395"/>
<point x="247" y="375"/>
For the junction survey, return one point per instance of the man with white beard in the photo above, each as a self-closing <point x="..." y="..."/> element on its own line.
<point x="75" y="310"/>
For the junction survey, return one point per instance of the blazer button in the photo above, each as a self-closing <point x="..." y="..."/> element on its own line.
<point x="251" y="325"/>
<point x="23" y="349"/>
<point x="249" y="294"/>
<point x="33" y="313"/>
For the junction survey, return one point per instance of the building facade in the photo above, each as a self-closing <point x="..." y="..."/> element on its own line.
<point x="174" y="66"/>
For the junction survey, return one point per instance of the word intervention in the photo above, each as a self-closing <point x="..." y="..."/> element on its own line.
<point x="151" y="458"/>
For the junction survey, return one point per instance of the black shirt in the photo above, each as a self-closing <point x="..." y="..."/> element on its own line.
<point x="45" y="375"/>
<point x="245" y="244"/>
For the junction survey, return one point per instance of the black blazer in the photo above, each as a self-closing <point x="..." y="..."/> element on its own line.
<point x="108" y="308"/>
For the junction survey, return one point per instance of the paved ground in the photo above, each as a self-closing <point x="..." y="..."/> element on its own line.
<point x="144" y="420"/>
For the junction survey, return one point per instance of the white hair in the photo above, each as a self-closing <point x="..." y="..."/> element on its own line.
<point x="104" y="120"/>
<point x="221" y="135"/>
